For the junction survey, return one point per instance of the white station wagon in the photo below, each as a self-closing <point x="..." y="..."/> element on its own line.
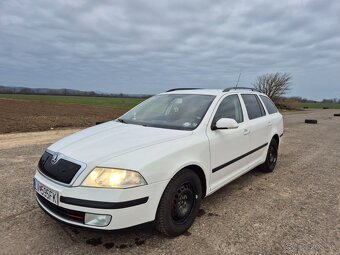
<point x="159" y="160"/>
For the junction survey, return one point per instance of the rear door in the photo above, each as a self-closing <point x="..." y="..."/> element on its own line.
<point x="274" y="117"/>
<point x="228" y="145"/>
<point x="259" y="126"/>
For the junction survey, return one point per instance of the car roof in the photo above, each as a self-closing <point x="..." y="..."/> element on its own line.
<point x="214" y="92"/>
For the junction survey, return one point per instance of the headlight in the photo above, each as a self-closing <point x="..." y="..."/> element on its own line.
<point x="113" y="178"/>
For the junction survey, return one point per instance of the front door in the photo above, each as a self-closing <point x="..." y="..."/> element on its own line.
<point x="228" y="146"/>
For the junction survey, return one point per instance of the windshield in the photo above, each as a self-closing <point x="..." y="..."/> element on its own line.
<point x="174" y="111"/>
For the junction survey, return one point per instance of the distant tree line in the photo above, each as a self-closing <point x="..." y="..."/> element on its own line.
<point x="305" y="100"/>
<point x="334" y="100"/>
<point x="64" y="92"/>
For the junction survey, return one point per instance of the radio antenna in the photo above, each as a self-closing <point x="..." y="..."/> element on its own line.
<point x="238" y="79"/>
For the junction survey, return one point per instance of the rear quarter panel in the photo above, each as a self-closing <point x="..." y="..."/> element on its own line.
<point x="277" y="121"/>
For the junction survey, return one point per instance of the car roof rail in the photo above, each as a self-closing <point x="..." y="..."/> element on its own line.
<point x="235" y="88"/>
<point x="181" y="89"/>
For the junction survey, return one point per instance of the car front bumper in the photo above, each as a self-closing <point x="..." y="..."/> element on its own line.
<point x="126" y="207"/>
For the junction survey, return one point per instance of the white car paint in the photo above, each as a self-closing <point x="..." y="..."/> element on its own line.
<point x="158" y="154"/>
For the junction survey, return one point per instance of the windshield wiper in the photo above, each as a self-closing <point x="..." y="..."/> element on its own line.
<point x="122" y="121"/>
<point x="141" y="124"/>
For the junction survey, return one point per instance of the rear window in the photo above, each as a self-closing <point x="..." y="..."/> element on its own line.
<point x="253" y="106"/>
<point x="271" y="108"/>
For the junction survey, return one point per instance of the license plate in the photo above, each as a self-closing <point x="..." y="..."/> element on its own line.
<point x="46" y="192"/>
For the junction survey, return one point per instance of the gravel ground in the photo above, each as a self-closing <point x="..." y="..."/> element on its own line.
<point x="294" y="210"/>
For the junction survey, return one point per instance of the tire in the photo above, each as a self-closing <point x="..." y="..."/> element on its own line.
<point x="271" y="159"/>
<point x="179" y="204"/>
<point x="308" y="121"/>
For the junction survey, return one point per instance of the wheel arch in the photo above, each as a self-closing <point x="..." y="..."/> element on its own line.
<point x="276" y="138"/>
<point x="199" y="171"/>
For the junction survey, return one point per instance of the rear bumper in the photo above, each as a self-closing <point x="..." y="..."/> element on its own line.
<point x="127" y="207"/>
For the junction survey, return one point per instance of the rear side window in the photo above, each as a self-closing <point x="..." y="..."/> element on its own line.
<point x="230" y="107"/>
<point x="253" y="106"/>
<point x="271" y="108"/>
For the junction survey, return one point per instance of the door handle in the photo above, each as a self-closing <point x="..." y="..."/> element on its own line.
<point x="246" y="131"/>
<point x="270" y="123"/>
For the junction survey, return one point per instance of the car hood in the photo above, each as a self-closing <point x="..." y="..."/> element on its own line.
<point x="102" y="142"/>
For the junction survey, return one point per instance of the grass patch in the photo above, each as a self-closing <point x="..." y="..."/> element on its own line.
<point x="320" y="105"/>
<point x="119" y="103"/>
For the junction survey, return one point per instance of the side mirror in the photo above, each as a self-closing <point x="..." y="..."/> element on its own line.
<point x="226" y="123"/>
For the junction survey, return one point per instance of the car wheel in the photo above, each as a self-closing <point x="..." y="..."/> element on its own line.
<point x="271" y="159"/>
<point x="179" y="204"/>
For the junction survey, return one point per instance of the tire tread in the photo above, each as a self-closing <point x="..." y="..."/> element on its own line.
<point x="160" y="221"/>
<point x="264" y="167"/>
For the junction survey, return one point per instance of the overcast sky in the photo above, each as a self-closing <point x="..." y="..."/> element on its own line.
<point x="150" y="46"/>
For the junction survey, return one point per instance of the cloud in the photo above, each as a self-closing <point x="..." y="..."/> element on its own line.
<point x="150" y="46"/>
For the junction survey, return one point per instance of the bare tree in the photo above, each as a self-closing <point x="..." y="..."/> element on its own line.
<point x="274" y="85"/>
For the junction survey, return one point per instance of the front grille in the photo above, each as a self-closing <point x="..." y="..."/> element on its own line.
<point x="63" y="171"/>
<point x="62" y="212"/>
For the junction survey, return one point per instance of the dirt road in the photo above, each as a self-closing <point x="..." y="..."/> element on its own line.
<point x="294" y="210"/>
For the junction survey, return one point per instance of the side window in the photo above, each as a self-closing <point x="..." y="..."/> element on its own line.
<point x="271" y="108"/>
<point x="230" y="107"/>
<point x="253" y="106"/>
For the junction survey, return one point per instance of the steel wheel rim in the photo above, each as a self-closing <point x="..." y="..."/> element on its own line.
<point x="183" y="203"/>
<point x="272" y="155"/>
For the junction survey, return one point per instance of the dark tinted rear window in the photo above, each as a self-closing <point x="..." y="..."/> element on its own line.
<point x="253" y="106"/>
<point x="271" y="108"/>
